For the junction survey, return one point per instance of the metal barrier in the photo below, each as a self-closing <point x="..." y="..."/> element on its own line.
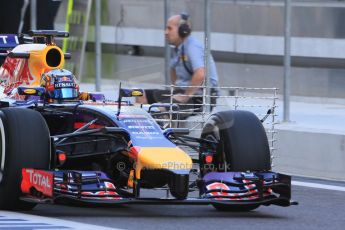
<point x="260" y="101"/>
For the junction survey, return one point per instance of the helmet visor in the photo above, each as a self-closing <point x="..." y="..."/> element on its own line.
<point x="65" y="93"/>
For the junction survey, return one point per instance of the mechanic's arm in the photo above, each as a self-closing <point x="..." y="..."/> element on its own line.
<point x="197" y="80"/>
<point x="195" y="55"/>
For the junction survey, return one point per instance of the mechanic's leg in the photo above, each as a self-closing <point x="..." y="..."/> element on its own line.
<point x="154" y="95"/>
<point x="142" y="99"/>
<point x="164" y="96"/>
<point x="148" y="97"/>
<point x="214" y="98"/>
<point x="198" y="104"/>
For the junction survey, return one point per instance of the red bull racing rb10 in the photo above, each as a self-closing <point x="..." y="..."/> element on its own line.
<point x="62" y="146"/>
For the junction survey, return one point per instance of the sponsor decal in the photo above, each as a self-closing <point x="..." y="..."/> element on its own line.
<point x="64" y="84"/>
<point x="225" y="194"/>
<point x="217" y="185"/>
<point x="104" y="195"/>
<point x="109" y="185"/>
<point x="131" y="116"/>
<point x="41" y="180"/>
<point x="99" y="103"/>
<point x="184" y="58"/>
<point x="145" y="133"/>
<point x="29" y="91"/>
<point x="15" y="72"/>
<point x="50" y="87"/>
<point x="64" y="78"/>
<point x="141" y="127"/>
<point x="8" y="40"/>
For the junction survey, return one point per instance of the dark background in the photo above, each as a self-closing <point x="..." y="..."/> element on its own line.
<point x="10" y="13"/>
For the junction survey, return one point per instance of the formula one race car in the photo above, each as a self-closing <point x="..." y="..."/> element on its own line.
<point x="62" y="146"/>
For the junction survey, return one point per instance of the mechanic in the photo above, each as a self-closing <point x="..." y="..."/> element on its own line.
<point x="187" y="67"/>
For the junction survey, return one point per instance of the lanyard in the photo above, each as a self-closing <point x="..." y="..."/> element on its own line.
<point x="184" y="62"/>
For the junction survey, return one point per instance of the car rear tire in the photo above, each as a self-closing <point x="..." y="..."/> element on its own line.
<point x="243" y="146"/>
<point x="24" y="143"/>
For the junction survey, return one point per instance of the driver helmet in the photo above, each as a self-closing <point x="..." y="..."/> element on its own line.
<point x="60" y="84"/>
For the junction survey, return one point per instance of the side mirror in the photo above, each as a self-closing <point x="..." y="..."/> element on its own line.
<point x="31" y="91"/>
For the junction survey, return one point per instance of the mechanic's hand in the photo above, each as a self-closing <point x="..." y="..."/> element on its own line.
<point x="181" y="98"/>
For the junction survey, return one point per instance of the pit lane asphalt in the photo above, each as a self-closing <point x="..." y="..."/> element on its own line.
<point x="317" y="209"/>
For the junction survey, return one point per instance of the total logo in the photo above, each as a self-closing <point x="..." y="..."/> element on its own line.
<point x="41" y="180"/>
<point x="37" y="178"/>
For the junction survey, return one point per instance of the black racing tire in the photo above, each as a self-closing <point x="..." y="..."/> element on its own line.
<point x="24" y="143"/>
<point x="243" y="143"/>
<point x="178" y="194"/>
<point x="243" y="146"/>
<point x="178" y="185"/>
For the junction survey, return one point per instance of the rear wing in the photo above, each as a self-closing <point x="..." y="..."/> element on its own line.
<point x="9" y="41"/>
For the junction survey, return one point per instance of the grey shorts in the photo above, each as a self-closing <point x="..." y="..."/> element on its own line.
<point x="194" y="104"/>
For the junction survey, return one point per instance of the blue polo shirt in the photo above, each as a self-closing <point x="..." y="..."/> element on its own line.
<point x="192" y="51"/>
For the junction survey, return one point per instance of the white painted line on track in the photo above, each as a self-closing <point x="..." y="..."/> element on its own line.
<point x="316" y="185"/>
<point x="20" y="221"/>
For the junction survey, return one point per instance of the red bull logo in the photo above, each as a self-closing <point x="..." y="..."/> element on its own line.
<point x="64" y="78"/>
